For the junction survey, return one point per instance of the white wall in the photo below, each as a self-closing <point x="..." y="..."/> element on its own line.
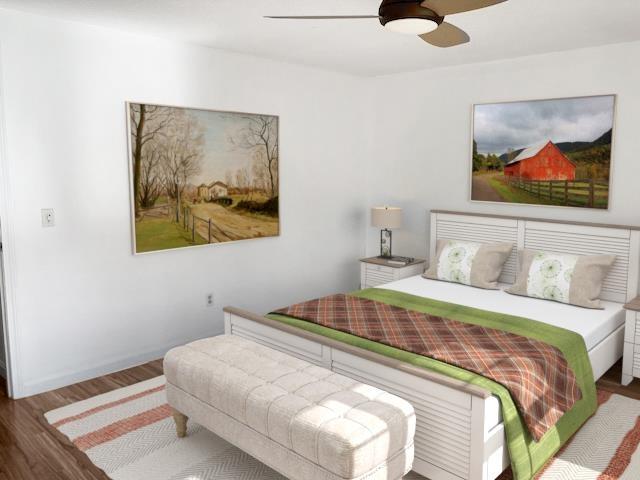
<point x="80" y="303"/>
<point x="422" y="134"/>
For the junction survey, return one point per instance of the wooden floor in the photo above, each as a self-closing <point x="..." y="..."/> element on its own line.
<point x="30" y="449"/>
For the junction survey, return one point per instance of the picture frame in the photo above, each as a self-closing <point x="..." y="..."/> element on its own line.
<point x="216" y="185"/>
<point x="593" y="160"/>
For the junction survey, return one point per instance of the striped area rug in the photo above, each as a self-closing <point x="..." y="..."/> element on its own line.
<point x="606" y="448"/>
<point x="129" y="434"/>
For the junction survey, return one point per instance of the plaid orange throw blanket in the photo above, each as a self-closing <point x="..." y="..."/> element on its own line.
<point x="536" y="374"/>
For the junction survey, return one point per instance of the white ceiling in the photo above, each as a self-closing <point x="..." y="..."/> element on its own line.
<point x="512" y="29"/>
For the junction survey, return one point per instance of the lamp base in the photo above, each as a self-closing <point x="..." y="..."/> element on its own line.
<point x="385" y="244"/>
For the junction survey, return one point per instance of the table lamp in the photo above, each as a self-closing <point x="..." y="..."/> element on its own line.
<point x="386" y="218"/>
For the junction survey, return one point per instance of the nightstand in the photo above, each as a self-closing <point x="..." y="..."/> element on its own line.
<point x="375" y="271"/>
<point x="631" y="359"/>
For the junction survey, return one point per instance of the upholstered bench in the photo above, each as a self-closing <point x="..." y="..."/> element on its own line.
<point x="304" y="421"/>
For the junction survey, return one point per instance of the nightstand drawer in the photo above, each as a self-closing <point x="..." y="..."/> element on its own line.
<point x="375" y="271"/>
<point x="632" y="334"/>
<point x="379" y="269"/>
<point x="377" y="275"/>
<point x="631" y="327"/>
<point x="636" y="360"/>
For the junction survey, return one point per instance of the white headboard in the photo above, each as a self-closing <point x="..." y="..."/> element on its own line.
<point x="621" y="285"/>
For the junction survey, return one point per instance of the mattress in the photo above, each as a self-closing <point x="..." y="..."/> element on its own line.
<point x="593" y="325"/>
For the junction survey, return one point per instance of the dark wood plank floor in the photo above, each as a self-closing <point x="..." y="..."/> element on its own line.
<point x="611" y="382"/>
<point x="30" y="449"/>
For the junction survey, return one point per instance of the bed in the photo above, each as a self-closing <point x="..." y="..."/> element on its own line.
<point x="460" y="434"/>
<point x="595" y="326"/>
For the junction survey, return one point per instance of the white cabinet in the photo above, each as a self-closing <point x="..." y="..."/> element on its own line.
<point x="377" y="271"/>
<point x="631" y="361"/>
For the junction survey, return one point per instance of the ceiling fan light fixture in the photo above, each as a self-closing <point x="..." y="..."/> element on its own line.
<point x="411" y="26"/>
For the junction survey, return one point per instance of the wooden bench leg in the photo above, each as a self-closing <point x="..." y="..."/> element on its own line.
<point x="181" y="423"/>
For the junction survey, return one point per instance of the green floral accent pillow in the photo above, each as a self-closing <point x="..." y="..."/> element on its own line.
<point x="565" y="278"/>
<point x="469" y="263"/>
<point x="455" y="261"/>
<point x="550" y="276"/>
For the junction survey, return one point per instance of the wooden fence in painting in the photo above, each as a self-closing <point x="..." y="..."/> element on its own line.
<point x="204" y="228"/>
<point x="212" y="232"/>
<point x="576" y="193"/>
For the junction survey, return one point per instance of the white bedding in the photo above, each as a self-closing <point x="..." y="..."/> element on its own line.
<point x="593" y="325"/>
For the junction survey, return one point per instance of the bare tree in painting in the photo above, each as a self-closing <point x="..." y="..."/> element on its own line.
<point x="261" y="179"/>
<point x="228" y="178"/>
<point x="242" y="179"/>
<point x="150" y="183"/>
<point x="181" y="157"/>
<point x="147" y="123"/>
<point x="261" y="134"/>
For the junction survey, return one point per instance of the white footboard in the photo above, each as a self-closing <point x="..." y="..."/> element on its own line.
<point x="459" y="433"/>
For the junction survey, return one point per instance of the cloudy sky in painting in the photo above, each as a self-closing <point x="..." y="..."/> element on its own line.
<point x="498" y="127"/>
<point x="220" y="154"/>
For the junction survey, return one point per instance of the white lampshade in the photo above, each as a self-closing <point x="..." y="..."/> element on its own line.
<point x="386" y="217"/>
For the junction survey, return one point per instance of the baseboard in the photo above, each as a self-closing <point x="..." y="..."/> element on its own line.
<point x="53" y="382"/>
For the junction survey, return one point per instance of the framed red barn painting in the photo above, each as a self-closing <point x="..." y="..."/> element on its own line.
<point x="554" y="152"/>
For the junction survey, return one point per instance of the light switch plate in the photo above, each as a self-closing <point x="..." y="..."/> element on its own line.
<point x="48" y="217"/>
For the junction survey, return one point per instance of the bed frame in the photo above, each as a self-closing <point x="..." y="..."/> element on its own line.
<point x="459" y="433"/>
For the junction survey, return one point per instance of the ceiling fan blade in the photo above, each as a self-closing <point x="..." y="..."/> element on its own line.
<point x="323" y="17"/>
<point x="449" y="7"/>
<point x="446" y="35"/>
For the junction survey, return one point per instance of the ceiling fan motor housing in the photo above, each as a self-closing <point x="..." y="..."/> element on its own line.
<point x="391" y="10"/>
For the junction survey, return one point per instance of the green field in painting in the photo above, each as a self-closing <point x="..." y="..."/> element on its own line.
<point x="161" y="234"/>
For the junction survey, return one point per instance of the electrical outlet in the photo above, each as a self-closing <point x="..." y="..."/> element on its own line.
<point x="48" y="217"/>
<point x="209" y="299"/>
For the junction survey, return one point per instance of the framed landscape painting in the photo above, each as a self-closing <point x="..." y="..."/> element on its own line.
<point x="201" y="177"/>
<point x="544" y="152"/>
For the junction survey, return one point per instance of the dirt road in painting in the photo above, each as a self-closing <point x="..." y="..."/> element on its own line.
<point x="229" y="225"/>
<point x="482" y="190"/>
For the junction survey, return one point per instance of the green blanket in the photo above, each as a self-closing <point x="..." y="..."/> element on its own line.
<point x="527" y="456"/>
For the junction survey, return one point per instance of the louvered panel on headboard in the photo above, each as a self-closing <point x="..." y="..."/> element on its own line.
<point x="586" y="240"/>
<point x="480" y="230"/>
<point x="621" y="284"/>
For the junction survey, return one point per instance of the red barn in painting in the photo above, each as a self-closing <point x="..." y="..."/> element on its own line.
<point x="544" y="161"/>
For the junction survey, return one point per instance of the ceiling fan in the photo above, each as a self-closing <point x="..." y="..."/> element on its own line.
<point x="424" y="18"/>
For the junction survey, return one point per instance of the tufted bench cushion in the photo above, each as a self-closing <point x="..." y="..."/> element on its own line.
<point x="335" y="427"/>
